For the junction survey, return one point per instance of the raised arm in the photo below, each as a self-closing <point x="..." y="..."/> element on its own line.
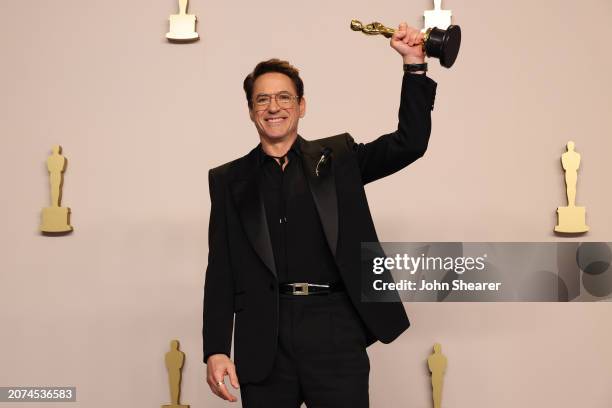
<point x="394" y="151"/>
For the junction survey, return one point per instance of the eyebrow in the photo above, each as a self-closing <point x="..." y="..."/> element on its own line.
<point x="275" y="93"/>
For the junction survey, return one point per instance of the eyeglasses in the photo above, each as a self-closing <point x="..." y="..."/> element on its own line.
<point x="283" y="99"/>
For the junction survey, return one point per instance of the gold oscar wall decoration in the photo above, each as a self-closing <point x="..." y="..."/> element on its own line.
<point x="571" y="219"/>
<point x="56" y="219"/>
<point x="174" y="364"/>
<point x="182" y="25"/>
<point x="437" y="365"/>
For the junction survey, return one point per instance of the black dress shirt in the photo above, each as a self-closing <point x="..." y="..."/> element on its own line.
<point x="301" y="252"/>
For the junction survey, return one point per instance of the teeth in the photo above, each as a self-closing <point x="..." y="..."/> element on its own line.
<point x="275" y="119"/>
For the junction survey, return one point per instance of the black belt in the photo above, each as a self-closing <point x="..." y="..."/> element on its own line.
<point x="301" y="289"/>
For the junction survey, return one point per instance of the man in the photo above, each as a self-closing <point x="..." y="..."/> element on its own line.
<point x="285" y="230"/>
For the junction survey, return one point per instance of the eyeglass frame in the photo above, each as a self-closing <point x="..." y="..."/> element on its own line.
<point x="273" y="96"/>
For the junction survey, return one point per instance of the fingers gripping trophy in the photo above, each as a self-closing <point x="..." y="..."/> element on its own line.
<point x="439" y="39"/>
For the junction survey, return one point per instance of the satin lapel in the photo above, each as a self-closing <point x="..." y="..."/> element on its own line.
<point x="323" y="189"/>
<point x="247" y="196"/>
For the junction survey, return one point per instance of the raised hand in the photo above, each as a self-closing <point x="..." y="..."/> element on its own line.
<point x="408" y="42"/>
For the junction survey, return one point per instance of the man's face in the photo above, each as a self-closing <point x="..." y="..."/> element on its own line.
<point x="275" y="122"/>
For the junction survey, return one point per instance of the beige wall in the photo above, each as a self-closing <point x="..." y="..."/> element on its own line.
<point x="142" y="120"/>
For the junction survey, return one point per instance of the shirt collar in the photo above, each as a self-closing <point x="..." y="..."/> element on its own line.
<point x="263" y="156"/>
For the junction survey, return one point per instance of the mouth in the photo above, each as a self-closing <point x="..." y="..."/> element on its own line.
<point x="275" y="120"/>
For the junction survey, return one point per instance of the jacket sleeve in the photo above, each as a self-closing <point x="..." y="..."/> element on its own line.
<point x="218" y="313"/>
<point x="394" y="151"/>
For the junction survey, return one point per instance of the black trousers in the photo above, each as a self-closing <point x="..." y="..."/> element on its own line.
<point x="321" y="357"/>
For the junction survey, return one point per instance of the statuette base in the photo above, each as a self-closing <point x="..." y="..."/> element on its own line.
<point x="572" y="220"/>
<point x="56" y="219"/>
<point x="182" y="28"/>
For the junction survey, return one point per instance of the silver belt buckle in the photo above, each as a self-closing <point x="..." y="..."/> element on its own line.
<point x="300" y="289"/>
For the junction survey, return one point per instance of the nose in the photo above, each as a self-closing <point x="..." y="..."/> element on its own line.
<point x="273" y="106"/>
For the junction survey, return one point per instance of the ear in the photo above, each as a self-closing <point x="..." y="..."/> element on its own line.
<point x="302" y="107"/>
<point x="251" y="114"/>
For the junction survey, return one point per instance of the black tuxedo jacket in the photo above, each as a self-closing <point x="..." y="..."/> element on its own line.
<point x="241" y="278"/>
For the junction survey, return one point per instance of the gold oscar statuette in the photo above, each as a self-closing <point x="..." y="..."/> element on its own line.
<point x="437" y="366"/>
<point x="438" y="43"/>
<point x="182" y="25"/>
<point x="174" y="363"/>
<point x="56" y="219"/>
<point x="571" y="219"/>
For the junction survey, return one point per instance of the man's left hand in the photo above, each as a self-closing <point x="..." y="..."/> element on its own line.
<point x="408" y="42"/>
